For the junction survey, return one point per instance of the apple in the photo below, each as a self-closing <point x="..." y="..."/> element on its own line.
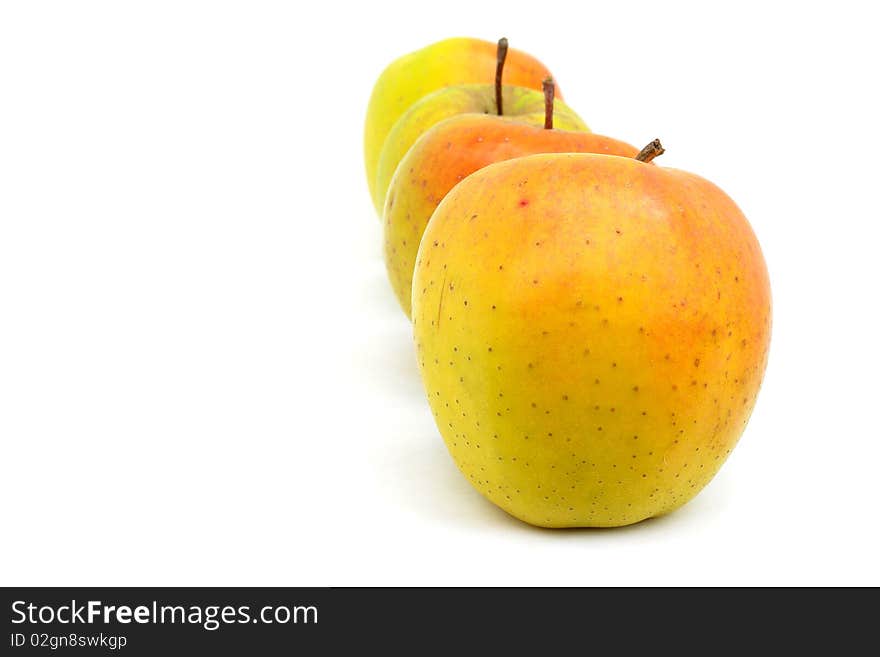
<point x="454" y="149"/>
<point x="445" y="63"/>
<point x="521" y="104"/>
<point x="591" y="332"/>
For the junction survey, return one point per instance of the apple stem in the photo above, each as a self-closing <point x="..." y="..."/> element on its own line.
<point x="499" y="69"/>
<point x="651" y="151"/>
<point x="549" y="91"/>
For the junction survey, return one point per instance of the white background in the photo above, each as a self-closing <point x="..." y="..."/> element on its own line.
<point x="205" y="378"/>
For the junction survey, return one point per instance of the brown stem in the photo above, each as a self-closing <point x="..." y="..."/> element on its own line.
<point x="651" y="151"/>
<point x="549" y="91"/>
<point x="499" y="69"/>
